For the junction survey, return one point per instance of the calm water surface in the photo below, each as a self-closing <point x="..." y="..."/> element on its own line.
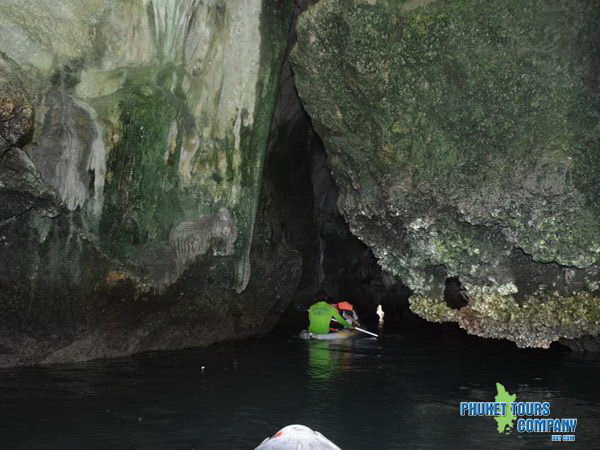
<point x="401" y="391"/>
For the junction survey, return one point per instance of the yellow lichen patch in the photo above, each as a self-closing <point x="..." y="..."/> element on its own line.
<point x="431" y="310"/>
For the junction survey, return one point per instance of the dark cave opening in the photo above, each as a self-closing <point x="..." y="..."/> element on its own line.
<point x="335" y="264"/>
<point x="455" y="294"/>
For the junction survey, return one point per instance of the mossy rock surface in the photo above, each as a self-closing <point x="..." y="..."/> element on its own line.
<point x="464" y="136"/>
<point x="128" y="211"/>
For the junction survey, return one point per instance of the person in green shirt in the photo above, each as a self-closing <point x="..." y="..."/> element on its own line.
<point x="320" y="315"/>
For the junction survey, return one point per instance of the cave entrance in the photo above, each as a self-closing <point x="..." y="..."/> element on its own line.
<point x="300" y="186"/>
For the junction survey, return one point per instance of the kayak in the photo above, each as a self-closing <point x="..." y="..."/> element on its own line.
<point x="342" y="334"/>
<point x="297" y="437"/>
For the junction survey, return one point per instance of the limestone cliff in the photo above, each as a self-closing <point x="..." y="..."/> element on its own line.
<point x="464" y="137"/>
<point x="132" y="139"/>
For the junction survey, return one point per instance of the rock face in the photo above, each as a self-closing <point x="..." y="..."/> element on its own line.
<point x="465" y="139"/>
<point x="132" y="140"/>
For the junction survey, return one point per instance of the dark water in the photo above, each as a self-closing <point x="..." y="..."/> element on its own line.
<point x="402" y="391"/>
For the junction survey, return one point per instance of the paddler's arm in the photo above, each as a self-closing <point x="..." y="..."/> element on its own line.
<point x="339" y="318"/>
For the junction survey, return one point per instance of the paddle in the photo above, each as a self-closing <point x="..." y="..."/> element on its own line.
<point x="366" y="332"/>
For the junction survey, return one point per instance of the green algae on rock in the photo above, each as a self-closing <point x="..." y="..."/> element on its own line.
<point x="145" y="123"/>
<point x="161" y="110"/>
<point x="464" y="138"/>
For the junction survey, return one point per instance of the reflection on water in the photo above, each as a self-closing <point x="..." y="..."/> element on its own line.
<point x="401" y="391"/>
<point x="327" y="359"/>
